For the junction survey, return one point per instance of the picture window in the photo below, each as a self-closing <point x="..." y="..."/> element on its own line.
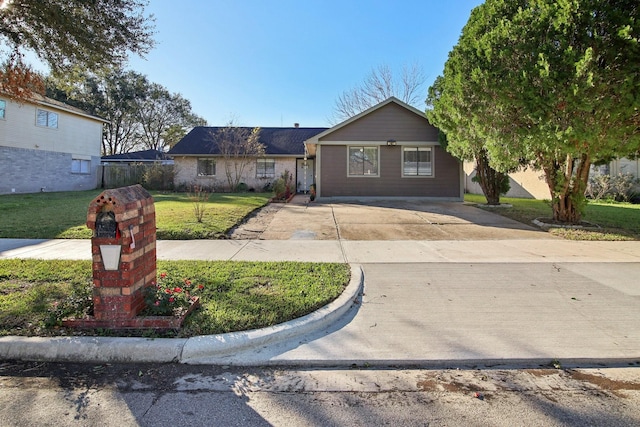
<point x="363" y="161"/>
<point x="206" y="167"/>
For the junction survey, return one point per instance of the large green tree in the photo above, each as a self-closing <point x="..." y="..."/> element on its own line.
<point x="69" y="33"/>
<point x="110" y="94"/>
<point x="141" y="114"/>
<point x="159" y="111"/>
<point x="555" y="83"/>
<point x="448" y="109"/>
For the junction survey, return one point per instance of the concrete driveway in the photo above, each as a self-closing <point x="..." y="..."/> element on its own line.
<point x="392" y="220"/>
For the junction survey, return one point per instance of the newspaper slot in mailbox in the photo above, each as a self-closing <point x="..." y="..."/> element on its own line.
<point x="106" y="227"/>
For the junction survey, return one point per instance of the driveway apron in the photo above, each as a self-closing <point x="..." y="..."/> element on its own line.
<point x="392" y="220"/>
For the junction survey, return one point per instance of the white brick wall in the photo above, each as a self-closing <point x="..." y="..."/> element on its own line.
<point x="187" y="173"/>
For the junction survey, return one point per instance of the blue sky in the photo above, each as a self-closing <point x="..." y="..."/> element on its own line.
<point x="276" y="62"/>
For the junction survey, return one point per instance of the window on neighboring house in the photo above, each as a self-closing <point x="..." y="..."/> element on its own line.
<point x="80" y="166"/>
<point x="206" y="167"/>
<point x="3" y="108"/>
<point x="47" y="119"/>
<point x="416" y="161"/>
<point x="363" y="161"/>
<point x="265" y="168"/>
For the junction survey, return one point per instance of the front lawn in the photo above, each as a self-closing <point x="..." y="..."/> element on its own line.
<point x="617" y="221"/>
<point x="63" y="215"/>
<point x="35" y="295"/>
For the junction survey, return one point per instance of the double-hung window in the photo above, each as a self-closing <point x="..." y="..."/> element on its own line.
<point x="265" y="168"/>
<point x="3" y="108"/>
<point x="80" y="165"/>
<point x="47" y="119"/>
<point x="363" y="161"/>
<point x="417" y="161"/>
<point x="206" y="167"/>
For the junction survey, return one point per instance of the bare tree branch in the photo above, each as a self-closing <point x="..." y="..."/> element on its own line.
<point x="379" y="85"/>
<point x="239" y="146"/>
<point x="413" y="78"/>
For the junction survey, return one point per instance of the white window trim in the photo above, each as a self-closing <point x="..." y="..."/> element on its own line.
<point x="433" y="163"/>
<point x="3" y="109"/>
<point x="377" y="147"/>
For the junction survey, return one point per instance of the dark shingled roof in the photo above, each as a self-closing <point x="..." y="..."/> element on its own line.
<point x="146" y="155"/>
<point x="278" y="141"/>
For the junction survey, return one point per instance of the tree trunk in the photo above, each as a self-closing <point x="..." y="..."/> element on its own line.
<point x="567" y="188"/>
<point x="492" y="182"/>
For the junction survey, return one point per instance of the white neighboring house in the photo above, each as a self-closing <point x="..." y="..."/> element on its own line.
<point x="46" y="145"/>
<point x="624" y="165"/>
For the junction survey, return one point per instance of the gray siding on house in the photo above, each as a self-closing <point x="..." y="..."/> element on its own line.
<point x="29" y="171"/>
<point x="391" y="121"/>
<point x="335" y="183"/>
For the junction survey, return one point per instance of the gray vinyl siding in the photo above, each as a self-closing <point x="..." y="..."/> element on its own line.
<point x="389" y="122"/>
<point x="335" y="183"/>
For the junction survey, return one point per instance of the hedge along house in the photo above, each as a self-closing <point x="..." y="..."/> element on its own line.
<point x="198" y="160"/>
<point x="389" y="150"/>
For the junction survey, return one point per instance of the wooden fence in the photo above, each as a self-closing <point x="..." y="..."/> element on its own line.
<point x="150" y="176"/>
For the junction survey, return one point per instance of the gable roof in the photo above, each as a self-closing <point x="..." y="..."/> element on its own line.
<point x="277" y="141"/>
<point x="316" y="138"/>
<point x="137" y="156"/>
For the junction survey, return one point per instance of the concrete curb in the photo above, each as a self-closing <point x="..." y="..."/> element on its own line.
<point x="201" y="349"/>
<point x="92" y="349"/>
<point x="210" y="348"/>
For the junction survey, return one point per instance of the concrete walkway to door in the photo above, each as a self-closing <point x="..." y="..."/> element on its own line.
<point x="392" y="220"/>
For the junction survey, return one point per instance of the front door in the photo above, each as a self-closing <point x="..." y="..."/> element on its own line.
<point x="304" y="175"/>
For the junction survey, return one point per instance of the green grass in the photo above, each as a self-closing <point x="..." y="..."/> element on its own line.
<point x="45" y="215"/>
<point x="617" y="221"/>
<point x="35" y="294"/>
<point x="176" y="220"/>
<point x="63" y="215"/>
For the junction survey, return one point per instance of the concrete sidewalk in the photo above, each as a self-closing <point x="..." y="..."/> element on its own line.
<point x="351" y="251"/>
<point x="436" y="303"/>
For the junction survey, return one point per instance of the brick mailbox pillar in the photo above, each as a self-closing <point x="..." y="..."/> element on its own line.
<point x="124" y="253"/>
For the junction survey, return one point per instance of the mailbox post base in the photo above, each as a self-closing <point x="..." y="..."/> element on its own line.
<point x="139" y="322"/>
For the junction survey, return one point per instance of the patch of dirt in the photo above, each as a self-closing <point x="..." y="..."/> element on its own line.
<point x="604" y="383"/>
<point x="256" y="223"/>
<point x="160" y="377"/>
<point x="546" y="223"/>
<point x="541" y="372"/>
